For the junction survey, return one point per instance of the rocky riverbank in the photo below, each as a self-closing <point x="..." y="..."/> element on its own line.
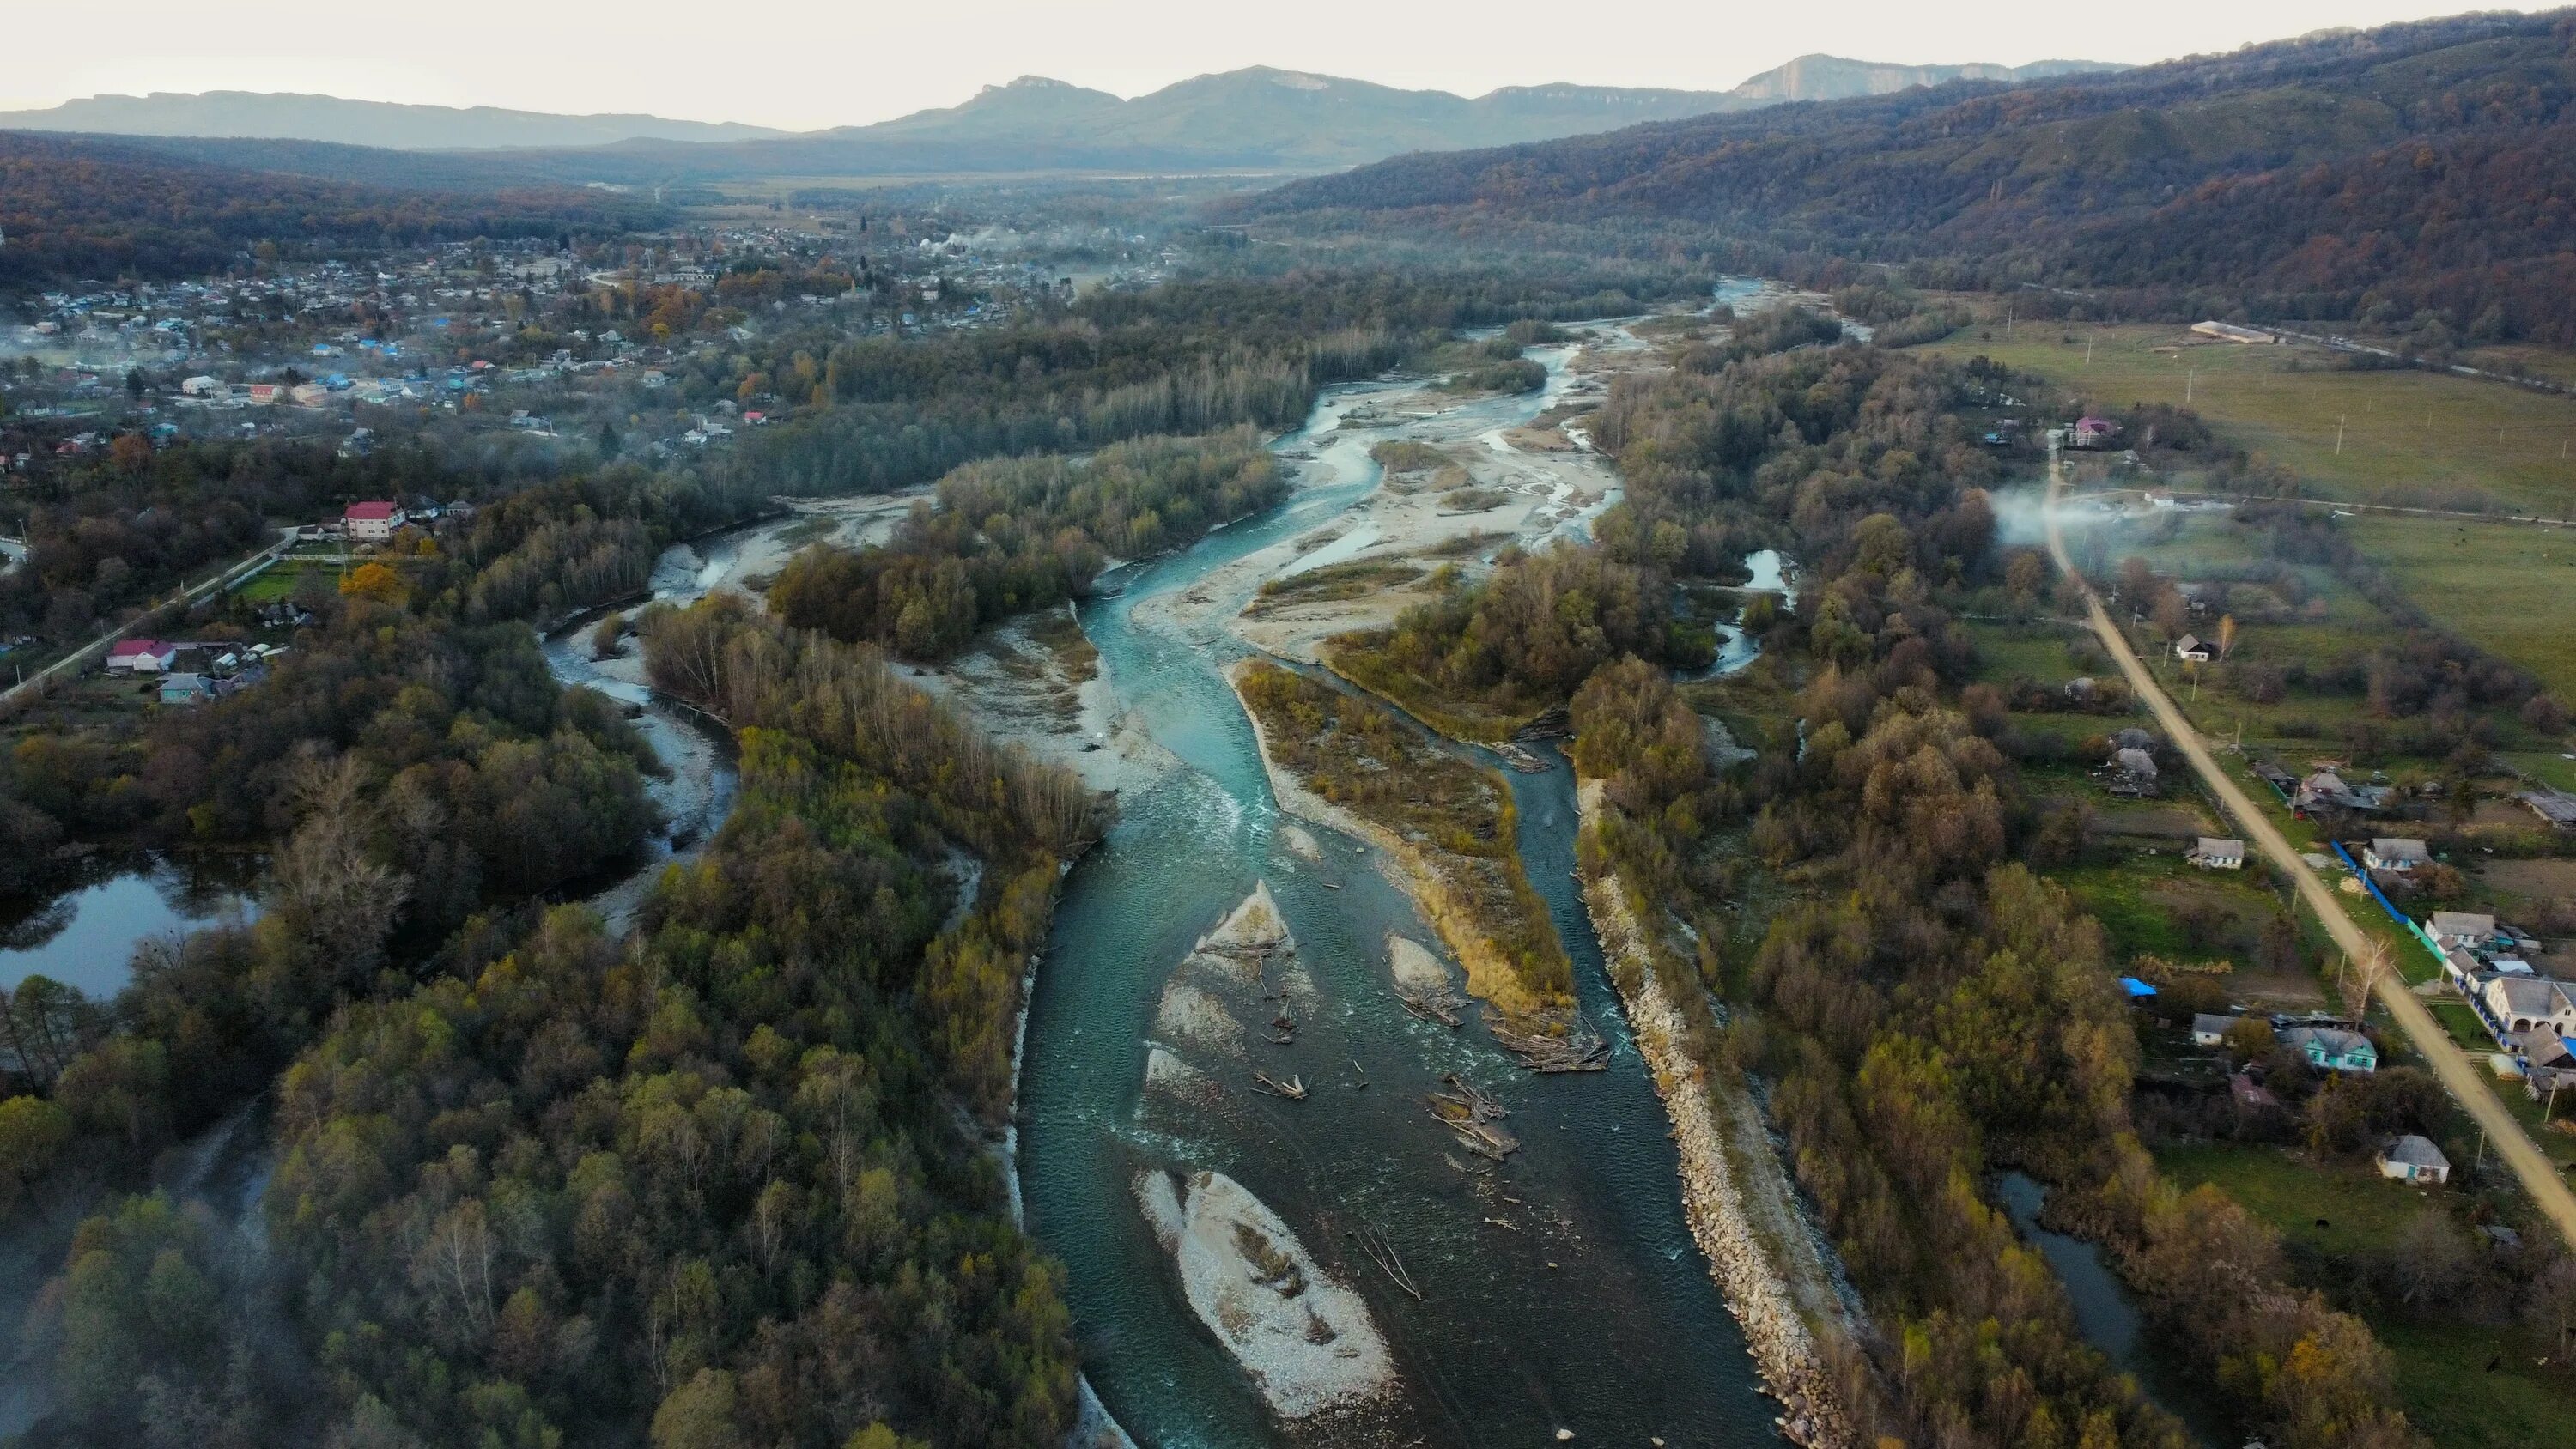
<point x="1759" y="1248"/>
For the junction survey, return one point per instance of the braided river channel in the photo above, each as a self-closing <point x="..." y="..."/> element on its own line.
<point x="1559" y="1290"/>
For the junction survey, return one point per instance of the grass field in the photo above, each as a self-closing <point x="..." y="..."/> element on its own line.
<point x="2442" y="1367"/>
<point x="279" y="579"/>
<point x="2511" y="587"/>
<point x="2408" y="437"/>
<point x="2362" y="1211"/>
<point x="2449" y="1394"/>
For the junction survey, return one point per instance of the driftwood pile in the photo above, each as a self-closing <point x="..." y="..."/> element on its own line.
<point x="1441" y="1005"/>
<point x="1473" y="1117"/>
<point x="1579" y="1048"/>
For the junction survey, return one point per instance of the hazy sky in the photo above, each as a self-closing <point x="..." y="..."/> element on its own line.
<point x="807" y="63"/>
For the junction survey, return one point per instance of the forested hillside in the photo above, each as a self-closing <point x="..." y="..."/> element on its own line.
<point x="80" y="207"/>
<point x="2379" y="172"/>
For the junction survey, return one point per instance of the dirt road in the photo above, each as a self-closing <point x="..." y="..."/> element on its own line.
<point x="71" y="663"/>
<point x="2465" y="1080"/>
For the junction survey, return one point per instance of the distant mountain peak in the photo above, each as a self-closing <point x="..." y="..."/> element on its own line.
<point x="1821" y="77"/>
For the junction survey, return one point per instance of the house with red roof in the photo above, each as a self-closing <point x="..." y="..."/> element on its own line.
<point x="371" y="522"/>
<point x="140" y="656"/>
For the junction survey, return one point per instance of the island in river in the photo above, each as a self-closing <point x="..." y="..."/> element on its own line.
<point x="1560" y="1282"/>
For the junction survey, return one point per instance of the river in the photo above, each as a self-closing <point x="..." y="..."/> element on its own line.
<point x="696" y="790"/>
<point x="1587" y="1307"/>
<point x="2105" y="1314"/>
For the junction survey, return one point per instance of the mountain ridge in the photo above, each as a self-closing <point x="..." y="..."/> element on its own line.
<point x="1254" y="116"/>
<point x="2412" y="168"/>
<point x="393" y="125"/>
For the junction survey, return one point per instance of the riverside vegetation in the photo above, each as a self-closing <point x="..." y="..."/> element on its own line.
<point x="1926" y="1008"/>
<point x="1453" y="821"/>
<point x="534" y="1181"/>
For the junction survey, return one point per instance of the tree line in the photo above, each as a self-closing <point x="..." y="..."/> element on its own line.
<point x="1007" y="536"/>
<point x="1928" y="1011"/>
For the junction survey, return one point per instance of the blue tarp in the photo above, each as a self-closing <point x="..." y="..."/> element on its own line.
<point x="2137" y="989"/>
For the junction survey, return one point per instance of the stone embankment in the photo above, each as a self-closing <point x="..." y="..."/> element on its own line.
<point x="1747" y="1228"/>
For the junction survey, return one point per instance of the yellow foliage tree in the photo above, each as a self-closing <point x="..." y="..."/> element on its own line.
<point x="373" y="581"/>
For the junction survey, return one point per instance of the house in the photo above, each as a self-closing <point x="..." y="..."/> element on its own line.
<point x="2095" y="432"/>
<point x="372" y="522"/>
<point x="2399" y="853"/>
<point x="2333" y="1049"/>
<point x="185" y="689"/>
<point x="2548" y="1060"/>
<point x="2209" y="1029"/>
<point x="2414" y="1159"/>
<point x="2516" y="1004"/>
<point x="2218" y="853"/>
<point x="200" y="386"/>
<point x="2326" y="790"/>
<point x="140" y="656"/>
<point x="2550" y="805"/>
<point x="2251" y="1095"/>
<point x="2464" y="970"/>
<point x="2191" y="650"/>
<point x="2464" y="928"/>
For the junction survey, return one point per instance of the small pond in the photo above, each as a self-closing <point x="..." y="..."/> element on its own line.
<point x="84" y="933"/>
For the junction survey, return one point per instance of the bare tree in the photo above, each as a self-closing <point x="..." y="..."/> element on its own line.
<point x="2360" y="978"/>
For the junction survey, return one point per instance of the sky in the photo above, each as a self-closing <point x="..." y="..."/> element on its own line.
<point x="805" y="64"/>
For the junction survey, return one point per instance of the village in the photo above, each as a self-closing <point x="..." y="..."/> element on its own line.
<point x="544" y="342"/>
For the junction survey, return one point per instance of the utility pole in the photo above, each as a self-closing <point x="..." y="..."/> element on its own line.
<point x="2088" y="352"/>
<point x="2339" y="422"/>
<point x="2189" y="376"/>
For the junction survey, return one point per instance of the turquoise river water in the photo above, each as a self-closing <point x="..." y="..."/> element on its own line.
<point x="1560" y="1291"/>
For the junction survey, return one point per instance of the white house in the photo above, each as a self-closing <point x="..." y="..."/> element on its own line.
<point x="2523" y="1003"/>
<point x="372" y="522"/>
<point x="2414" y="1159"/>
<point x="2218" y="853"/>
<point x="2462" y="928"/>
<point x="2398" y="853"/>
<point x="140" y="656"/>
<point x="2210" y="1029"/>
<point x="2190" y="649"/>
